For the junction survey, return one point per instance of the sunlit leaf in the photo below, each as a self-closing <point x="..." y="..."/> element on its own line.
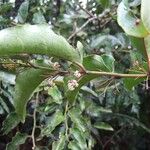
<point x="103" y="126"/>
<point x="36" y="39"/>
<point x="145" y="10"/>
<point x="101" y="63"/>
<point x="73" y="145"/>
<point x="128" y="21"/>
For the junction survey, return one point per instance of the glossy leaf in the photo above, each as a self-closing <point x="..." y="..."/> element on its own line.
<point x="99" y="63"/>
<point x="73" y="145"/>
<point x="145" y="10"/>
<point x="103" y="126"/>
<point x="4" y="105"/>
<point x="55" y="94"/>
<point x="71" y="95"/>
<point x="10" y="122"/>
<point x="92" y="62"/>
<point x="80" y="138"/>
<point x="17" y="140"/>
<point x="7" y="77"/>
<point x="36" y="39"/>
<point x="56" y="119"/>
<point x="76" y="118"/>
<point x="147" y="45"/>
<point x="59" y="145"/>
<point x="80" y="49"/>
<point x="128" y="22"/>
<point x="26" y="83"/>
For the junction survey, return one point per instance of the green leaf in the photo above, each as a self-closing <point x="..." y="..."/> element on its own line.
<point x="10" y="122"/>
<point x="145" y="10"/>
<point x="104" y="3"/>
<point x="75" y="115"/>
<point x="4" y="105"/>
<point x="17" y="140"/>
<point x="79" y="137"/>
<point x="47" y="108"/>
<point x="139" y="44"/>
<point x="129" y="120"/>
<point x="56" y="94"/>
<point x="4" y="8"/>
<point x="38" y="18"/>
<point x="127" y="20"/>
<point x="136" y="57"/>
<point x="26" y="83"/>
<point x="23" y="12"/>
<point x="130" y="82"/>
<point x="73" y="145"/>
<point x="92" y="62"/>
<point x="80" y="49"/>
<point x="95" y="111"/>
<point x="55" y="120"/>
<point x="89" y="90"/>
<point x="147" y="45"/>
<point x="36" y="39"/>
<point x="103" y="126"/>
<point x="99" y="63"/>
<point x="101" y="41"/>
<point x="71" y="95"/>
<point x="7" y="77"/>
<point x="59" y="145"/>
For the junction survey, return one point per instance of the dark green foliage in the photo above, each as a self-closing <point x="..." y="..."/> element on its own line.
<point x="36" y="65"/>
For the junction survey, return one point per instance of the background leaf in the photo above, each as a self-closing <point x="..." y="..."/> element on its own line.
<point x="17" y="140"/>
<point x="23" y="12"/>
<point x="10" y="122"/>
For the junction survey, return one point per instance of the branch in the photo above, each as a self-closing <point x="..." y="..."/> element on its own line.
<point x="86" y="11"/>
<point x="34" y="122"/>
<point x="80" y="29"/>
<point x="120" y="75"/>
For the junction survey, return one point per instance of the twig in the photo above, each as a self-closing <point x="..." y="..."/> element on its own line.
<point x="119" y="75"/>
<point x="115" y="134"/>
<point x="34" y="122"/>
<point x="80" y="29"/>
<point x="85" y="10"/>
<point x="66" y="121"/>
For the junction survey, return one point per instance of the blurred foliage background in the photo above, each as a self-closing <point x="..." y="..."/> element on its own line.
<point x="106" y="115"/>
